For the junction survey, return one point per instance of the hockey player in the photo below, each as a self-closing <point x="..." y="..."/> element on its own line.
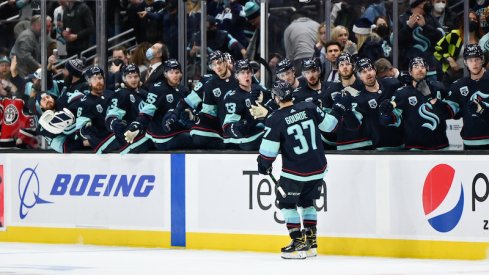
<point x="311" y="71"/>
<point x="124" y="107"/>
<point x="371" y="95"/>
<point x="239" y="126"/>
<point x="421" y="109"/>
<point x="90" y="116"/>
<point x="207" y="131"/>
<point x="468" y="98"/>
<point x="294" y="130"/>
<point x="162" y="97"/>
<point x="349" y="136"/>
<point x="285" y="71"/>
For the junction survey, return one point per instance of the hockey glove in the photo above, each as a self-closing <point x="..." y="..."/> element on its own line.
<point x="118" y="127"/>
<point x="342" y="104"/>
<point x="262" y="168"/>
<point x="477" y="107"/>
<point x="170" y="118"/>
<point x="240" y="129"/>
<point x="258" y="111"/>
<point x="134" y="129"/>
<point x="386" y="108"/>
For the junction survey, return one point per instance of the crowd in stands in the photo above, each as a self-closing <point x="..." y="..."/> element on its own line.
<point x="141" y="104"/>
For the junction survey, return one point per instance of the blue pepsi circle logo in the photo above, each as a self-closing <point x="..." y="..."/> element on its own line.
<point x="438" y="183"/>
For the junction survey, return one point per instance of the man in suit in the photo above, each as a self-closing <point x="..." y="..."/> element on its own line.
<point x="156" y="55"/>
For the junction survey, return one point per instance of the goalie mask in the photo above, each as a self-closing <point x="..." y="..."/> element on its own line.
<point x="282" y="90"/>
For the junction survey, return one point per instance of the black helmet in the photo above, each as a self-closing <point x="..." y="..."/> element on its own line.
<point x="473" y="50"/>
<point x="283" y="90"/>
<point x="171" y="64"/>
<point x="311" y="64"/>
<point x="216" y="55"/>
<point x="283" y="66"/>
<point x="228" y="57"/>
<point x="94" y="70"/>
<point x="417" y="61"/>
<point x="344" y="57"/>
<point x="242" y="65"/>
<point x="364" y="63"/>
<point x="130" y="69"/>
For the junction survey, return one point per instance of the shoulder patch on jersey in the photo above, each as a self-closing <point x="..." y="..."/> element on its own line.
<point x="464" y="90"/>
<point x="216" y="92"/>
<point x="248" y="103"/>
<point x="169" y="98"/>
<point x="99" y="108"/>
<point x="412" y="100"/>
<point x="132" y="98"/>
<point x="372" y="103"/>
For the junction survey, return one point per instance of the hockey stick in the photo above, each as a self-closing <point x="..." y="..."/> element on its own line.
<point x="279" y="188"/>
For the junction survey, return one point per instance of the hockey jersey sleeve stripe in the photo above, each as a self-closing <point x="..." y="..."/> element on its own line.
<point x="269" y="148"/>
<point x="328" y="124"/>
<point x="455" y="108"/>
<point x="81" y="121"/>
<point x="209" y="109"/>
<point x="193" y="99"/>
<point x="230" y="118"/>
<point x="149" y="109"/>
<point x="115" y="112"/>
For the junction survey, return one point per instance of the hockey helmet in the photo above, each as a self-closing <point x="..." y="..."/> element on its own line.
<point x="364" y="63"/>
<point x="94" y="70"/>
<point x="473" y="50"/>
<point x="283" y="90"/>
<point x="171" y="64"/>
<point x="228" y="57"/>
<point x="129" y="69"/>
<point x="216" y="55"/>
<point x="417" y="61"/>
<point x="242" y="65"/>
<point x="311" y="64"/>
<point x="344" y="57"/>
<point x="283" y="66"/>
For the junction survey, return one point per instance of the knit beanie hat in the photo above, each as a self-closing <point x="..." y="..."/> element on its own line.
<point x="251" y="10"/>
<point x="362" y="26"/>
<point x="415" y="3"/>
<point x="75" y="67"/>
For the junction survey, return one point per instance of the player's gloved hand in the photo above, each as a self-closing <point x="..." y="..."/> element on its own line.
<point x="239" y="129"/>
<point x="187" y="118"/>
<point x="134" y="129"/>
<point x="342" y="103"/>
<point x="351" y="91"/>
<point x="170" y="118"/>
<point x="118" y="127"/>
<point x="258" y="111"/>
<point x="386" y="108"/>
<point x="476" y="107"/>
<point x="406" y="79"/>
<point x="262" y="168"/>
<point x="86" y="131"/>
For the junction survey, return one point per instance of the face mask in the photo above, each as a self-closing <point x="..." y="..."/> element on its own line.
<point x="427" y="8"/>
<point x="149" y="54"/>
<point x="382" y="31"/>
<point x="439" y="7"/>
<point x="473" y="26"/>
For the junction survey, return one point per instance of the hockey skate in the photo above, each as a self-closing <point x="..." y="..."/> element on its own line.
<point x="296" y="249"/>
<point x="311" y="242"/>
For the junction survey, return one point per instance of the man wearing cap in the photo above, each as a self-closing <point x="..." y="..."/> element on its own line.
<point x="420" y="108"/>
<point x="91" y="112"/>
<point x="371" y="95"/>
<point x="239" y="126"/>
<point x="418" y="34"/>
<point x="252" y="15"/>
<point x="162" y="97"/>
<point x="125" y="106"/>
<point x="350" y="135"/>
<point x="469" y="98"/>
<point x="10" y="81"/>
<point x="74" y="83"/>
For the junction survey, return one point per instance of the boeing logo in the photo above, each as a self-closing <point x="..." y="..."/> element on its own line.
<point x="29" y="191"/>
<point x="437" y="203"/>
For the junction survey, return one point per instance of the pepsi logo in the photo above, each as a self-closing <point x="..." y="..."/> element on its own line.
<point x="443" y="198"/>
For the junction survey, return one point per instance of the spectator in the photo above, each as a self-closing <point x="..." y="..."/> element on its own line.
<point x="445" y="17"/>
<point x="333" y="50"/>
<point x="418" y="34"/>
<point x="369" y="43"/>
<point x="79" y="25"/>
<point x="299" y="39"/>
<point x="481" y="8"/>
<point x="155" y="55"/>
<point x="233" y="19"/>
<point x="340" y="34"/>
<point x="252" y="15"/>
<point x="138" y="57"/>
<point x="28" y="49"/>
<point x="10" y="81"/>
<point x="58" y="28"/>
<point x="384" y="30"/>
<point x="449" y="50"/>
<point x="384" y="69"/>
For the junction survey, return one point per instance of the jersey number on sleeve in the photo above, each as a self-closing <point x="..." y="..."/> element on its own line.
<point x="298" y="131"/>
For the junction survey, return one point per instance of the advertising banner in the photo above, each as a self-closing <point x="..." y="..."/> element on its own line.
<point x="99" y="191"/>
